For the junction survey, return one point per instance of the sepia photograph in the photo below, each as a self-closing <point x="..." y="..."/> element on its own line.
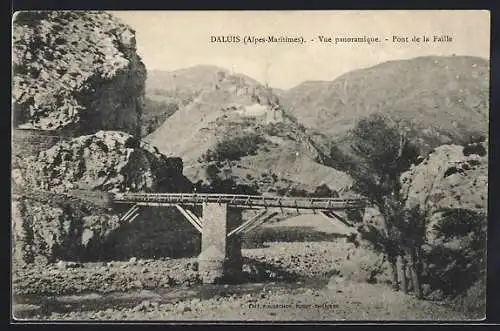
<point x="235" y="166"/>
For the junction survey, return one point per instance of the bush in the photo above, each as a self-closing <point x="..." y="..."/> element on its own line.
<point x="458" y="255"/>
<point x="226" y="186"/>
<point x="324" y="191"/>
<point x="476" y="148"/>
<point x="473" y="144"/>
<point x="212" y="171"/>
<point x="298" y="193"/>
<point x="339" y="159"/>
<point x="460" y="222"/>
<point x="275" y="129"/>
<point x="354" y="215"/>
<point x="274" y="177"/>
<point x="235" y="148"/>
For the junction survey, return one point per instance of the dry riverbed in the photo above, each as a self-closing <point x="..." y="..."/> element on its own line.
<point x="318" y="279"/>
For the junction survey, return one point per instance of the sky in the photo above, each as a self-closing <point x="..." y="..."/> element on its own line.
<point x="171" y="40"/>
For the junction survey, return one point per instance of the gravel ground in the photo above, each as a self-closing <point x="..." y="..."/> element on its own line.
<point x="169" y="290"/>
<point x="54" y="279"/>
<point x="345" y="301"/>
<point x="277" y="261"/>
<point x="287" y="279"/>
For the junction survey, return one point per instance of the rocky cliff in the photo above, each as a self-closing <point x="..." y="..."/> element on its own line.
<point x="449" y="178"/>
<point x="451" y="187"/>
<point x="76" y="71"/>
<point x="78" y="87"/>
<point x="47" y="226"/>
<point x="50" y="223"/>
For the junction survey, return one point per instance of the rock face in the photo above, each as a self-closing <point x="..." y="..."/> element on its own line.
<point x="451" y="186"/>
<point x="49" y="227"/>
<point x="51" y="224"/>
<point x="106" y="161"/>
<point x="447" y="179"/>
<point x="77" y="79"/>
<point x="76" y="71"/>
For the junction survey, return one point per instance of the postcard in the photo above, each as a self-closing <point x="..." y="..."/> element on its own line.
<point x="236" y="166"/>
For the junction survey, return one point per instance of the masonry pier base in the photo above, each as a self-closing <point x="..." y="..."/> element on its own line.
<point x="220" y="259"/>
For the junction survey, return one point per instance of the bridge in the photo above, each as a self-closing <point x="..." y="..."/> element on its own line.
<point x="238" y="201"/>
<point x="221" y="244"/>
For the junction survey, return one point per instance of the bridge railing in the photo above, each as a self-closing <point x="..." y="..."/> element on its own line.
<point x="240" y="200"/>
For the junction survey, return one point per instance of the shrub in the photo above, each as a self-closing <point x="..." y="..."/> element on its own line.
<point x="324" y="191"/>
<point x="459" y="222"/>
<point x="450" y="171"/>
<point x="275" y="177"/>
<point x="298" y="192"/>
<point x="458" y="254"/>
<point x="476" y="148"/>
<point x="235" y="148"/>
<point x="274" y="129"/>
<point x="212" y="171"/>
<point x="354" y="215"/>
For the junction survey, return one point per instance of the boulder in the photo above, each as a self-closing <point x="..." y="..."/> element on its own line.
<point x="105" y="161"/>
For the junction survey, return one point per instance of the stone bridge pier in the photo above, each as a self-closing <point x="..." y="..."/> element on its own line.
<point x="220" y="257"/>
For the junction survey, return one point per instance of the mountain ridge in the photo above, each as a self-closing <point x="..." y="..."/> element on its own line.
<point x="408" y="90"/>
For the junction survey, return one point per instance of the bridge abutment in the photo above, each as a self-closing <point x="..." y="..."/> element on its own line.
<point x="220" y="256"/>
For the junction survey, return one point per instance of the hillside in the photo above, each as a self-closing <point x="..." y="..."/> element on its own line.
<point x="195" y="78"/>
<point x="167" y="91"/>
<point x="280" y="152"/>
<point x="439" y="99"/>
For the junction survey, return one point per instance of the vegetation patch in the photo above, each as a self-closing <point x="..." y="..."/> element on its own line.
<point x="234" y="148"/>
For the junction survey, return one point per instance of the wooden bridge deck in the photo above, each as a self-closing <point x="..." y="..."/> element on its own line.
<point x="238" y="201"/>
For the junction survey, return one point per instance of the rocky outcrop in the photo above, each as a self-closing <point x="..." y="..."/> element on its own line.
<point x="49" y="226"/>
<point x="77" y="95"/>
<point x="106" y="161"/>
<point x="447" y="179"/>
<point x="50" y="223"/>
<point x="76" y="71"/>
<point x="451" y="187"/>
